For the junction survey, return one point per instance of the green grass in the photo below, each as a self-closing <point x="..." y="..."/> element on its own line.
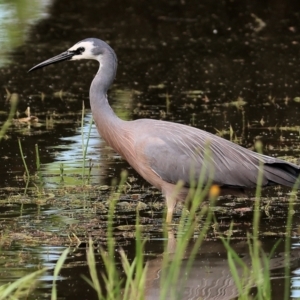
<point x="22" y="287"/>
<point x="13" y="98"/>
<point x="246" y="276"/>
<point x="133" y="287"/>
<point x="85" y="144"/>
<point x="257" y="274"/>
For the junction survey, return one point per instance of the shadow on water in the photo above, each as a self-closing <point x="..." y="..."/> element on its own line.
<point x="228" y="67"/>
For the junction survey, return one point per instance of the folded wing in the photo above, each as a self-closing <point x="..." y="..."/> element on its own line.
<point x="186" y="153"/>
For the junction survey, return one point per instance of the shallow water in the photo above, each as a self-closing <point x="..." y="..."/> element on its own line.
<point x="228" y="68"/>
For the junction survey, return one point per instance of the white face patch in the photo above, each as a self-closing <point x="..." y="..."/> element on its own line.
<point x="86" y="54"/>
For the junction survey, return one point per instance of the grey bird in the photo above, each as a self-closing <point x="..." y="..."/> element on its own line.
<point x="165" y="153"/>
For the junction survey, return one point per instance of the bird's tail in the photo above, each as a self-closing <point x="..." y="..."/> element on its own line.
<point x="282" y="173"/>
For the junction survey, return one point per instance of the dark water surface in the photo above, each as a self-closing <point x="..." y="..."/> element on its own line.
<point x="229" y="67"/>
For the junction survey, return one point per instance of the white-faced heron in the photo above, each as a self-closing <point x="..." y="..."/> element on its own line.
<point x="164" y="153"/>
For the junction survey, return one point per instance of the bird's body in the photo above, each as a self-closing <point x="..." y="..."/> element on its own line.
<point x="164" y="152"/>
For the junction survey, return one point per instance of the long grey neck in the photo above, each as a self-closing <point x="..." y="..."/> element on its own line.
<point x="108" y="124"/>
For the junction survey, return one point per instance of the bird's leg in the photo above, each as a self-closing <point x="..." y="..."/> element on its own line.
<point x="171" y="202"/>
<point x="171" y="242"/>
<point x="169" y="215"/>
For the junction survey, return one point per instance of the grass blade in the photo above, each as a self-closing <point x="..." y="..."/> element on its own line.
<point x="57" y="269"/>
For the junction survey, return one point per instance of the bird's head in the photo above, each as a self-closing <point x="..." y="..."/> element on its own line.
<point x="90" y="48"/>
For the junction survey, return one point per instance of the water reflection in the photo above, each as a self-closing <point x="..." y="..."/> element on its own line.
<point x="205" y="57"/>
<point x="295" y="285"/>
<point x="68" y="166"/>
<point x="16" y="18"/>
<point x="210" y="276"/>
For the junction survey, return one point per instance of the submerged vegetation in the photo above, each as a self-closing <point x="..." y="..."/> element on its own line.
<point x="103" y="220"/>
<point x="98" y="217"/>
<point x="233" y="70"/>
<point x="177" y="258"/>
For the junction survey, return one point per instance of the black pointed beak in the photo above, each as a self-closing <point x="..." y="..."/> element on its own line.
<point x="56" y="59"/>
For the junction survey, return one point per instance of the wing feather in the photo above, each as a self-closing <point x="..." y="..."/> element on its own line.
<point x="180" y="155"/>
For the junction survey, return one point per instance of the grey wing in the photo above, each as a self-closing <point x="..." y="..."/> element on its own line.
<point x="186" y="153"/>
